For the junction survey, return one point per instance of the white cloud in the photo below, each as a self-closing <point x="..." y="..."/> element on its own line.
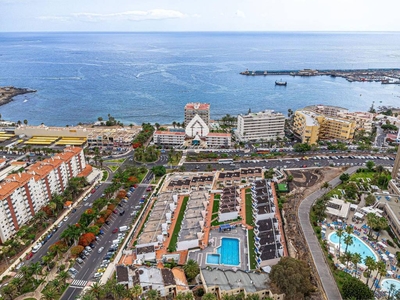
<point x="240" y="14"/>
<point x="133" y="15"/>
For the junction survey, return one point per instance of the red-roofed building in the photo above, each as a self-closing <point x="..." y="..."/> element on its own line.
<point x="201" y="109"/>
<point x="22" y="195"/>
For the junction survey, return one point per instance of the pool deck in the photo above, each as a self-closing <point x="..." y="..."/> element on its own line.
<point x="237" y="233"/>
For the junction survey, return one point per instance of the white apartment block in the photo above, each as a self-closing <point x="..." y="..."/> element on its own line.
<point x="22" y="195"/>
<point x="168" y="138"/>
<point x="266" y="125"/>
<point x="363" y="119"/>
<point x="219" y="140"/>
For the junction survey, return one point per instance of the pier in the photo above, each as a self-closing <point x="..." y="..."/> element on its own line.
<point x="385" y="76"/>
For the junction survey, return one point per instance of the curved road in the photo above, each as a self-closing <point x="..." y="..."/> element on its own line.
<point x="324" y="272"/>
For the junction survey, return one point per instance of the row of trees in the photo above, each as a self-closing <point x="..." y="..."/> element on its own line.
<point x="149" y="154"/>
<point x="144" y="135"/>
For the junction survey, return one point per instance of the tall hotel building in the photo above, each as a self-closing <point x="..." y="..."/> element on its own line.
<point x="394" y="183"/>
<point x="201" y="109"/>
<point x="266" y="125"/>
<point x="22" y="195"/>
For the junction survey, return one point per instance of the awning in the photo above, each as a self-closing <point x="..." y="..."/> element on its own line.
<point x="358" y="215"/>
<point x="361" y="266"/>
<point x="390" y="272"/>
<point x="382" y="245"/>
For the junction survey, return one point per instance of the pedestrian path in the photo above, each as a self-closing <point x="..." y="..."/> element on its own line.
<point x="79" y="283"/>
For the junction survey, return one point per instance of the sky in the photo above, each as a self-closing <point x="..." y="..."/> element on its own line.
<point x="199" y="15"/>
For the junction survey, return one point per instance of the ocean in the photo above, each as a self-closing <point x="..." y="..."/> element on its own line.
<point x="149" y="77"/>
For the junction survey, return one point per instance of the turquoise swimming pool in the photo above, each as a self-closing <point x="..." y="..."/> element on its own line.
<point x="358" y="246"/>
<point x="227" y="254"/>
<point x="386" y="283"/>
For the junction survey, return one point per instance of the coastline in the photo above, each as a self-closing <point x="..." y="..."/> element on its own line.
<point x="9" y="92"/>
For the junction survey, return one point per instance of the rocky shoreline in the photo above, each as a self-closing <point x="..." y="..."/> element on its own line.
<point x="9" y="92"/>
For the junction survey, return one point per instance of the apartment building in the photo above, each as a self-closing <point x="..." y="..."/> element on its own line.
<point x="22" y="195"/>
<point x="266" y="125"/>
<point x="217" y="140"/>
<point x="327" y="110"/>
<point x="394" y="183"/>
<point x="201" y="109"/>
<point x="363" y="120"/>
<point x="168" y="138"/>
<point x="311" y="127"/>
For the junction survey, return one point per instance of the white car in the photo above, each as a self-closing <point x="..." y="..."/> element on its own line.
<point x="100" y="249"/>
<point x="97" y="275"/>
<point x="66" y="219"/>
<point x="36" y="247"/>
<point x="60" y="224"/>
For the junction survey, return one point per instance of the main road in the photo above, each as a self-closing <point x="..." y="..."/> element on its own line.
<point x="87" y="269"/>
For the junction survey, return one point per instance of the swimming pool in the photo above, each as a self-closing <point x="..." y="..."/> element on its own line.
<point x="227" y="253"/>
<point x="358" y="246"/>
<point x="386" y="283"/>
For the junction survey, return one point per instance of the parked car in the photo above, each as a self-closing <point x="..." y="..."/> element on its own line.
<point x="82" y="256"/>
<point x="122" y="213"/>
<point x="107" y="222"/>
<point x="88" y="249"/>
<point x="97" y="275"/>
<point x="74" y="210"/>
<point x="79" y="260"/>
<point x="29" y="255"/>
<point x="101" y="270"/>
<point x="115" y="211"/>
<point x="91" y="245"/>
<point x="100" y="250"/>
<point x="60" y="224"/>
<point x="85" y="252"/>
<point x="66" y="219"/>
<point x="115" y="230"/>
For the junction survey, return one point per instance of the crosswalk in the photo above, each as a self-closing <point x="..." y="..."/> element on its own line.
<point x="79" y="283"/>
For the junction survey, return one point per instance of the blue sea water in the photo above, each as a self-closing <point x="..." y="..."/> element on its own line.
<point x="148" y="77"/>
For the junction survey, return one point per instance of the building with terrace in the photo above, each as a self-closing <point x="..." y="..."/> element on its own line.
<point x="185" y="184"/>
<point x="193" y="221"/>
<point x="269" y="241"/>
<point x="229" y="204"/>
<point x="394" y="183"/>
<point x="155" y="230"/>
<point x="230" y="283"/>
<point x="168" y="283"/>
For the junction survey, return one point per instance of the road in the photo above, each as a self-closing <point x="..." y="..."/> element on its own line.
<point x="87" y="269"/>
<point x="285" y="163"/>
<point x="324" y="273"/>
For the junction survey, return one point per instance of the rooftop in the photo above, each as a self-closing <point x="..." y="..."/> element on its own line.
<point x="200" y="106"/>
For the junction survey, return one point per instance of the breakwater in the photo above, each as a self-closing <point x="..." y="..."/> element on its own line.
<point x="385" y="76"/>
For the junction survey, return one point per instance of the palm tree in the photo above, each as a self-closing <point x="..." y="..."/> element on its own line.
<point x="381" y="267"/>
<point x="381" y="223"/>
<point x="49" y="294"/>
<point x="371" y="222"/>
<point x="88" y="296"/>
<point x="35" y="268"/>
<point x="347" y="257"/>
<point x="340" y="233"/>
<point x="63" y="276"/>
<point x="152" y="295"/>
<point x="97" y="290"/>
<point x="191" y="269"/>
<point x="348" y="240"/>
<point x="371" y="266"/>
<point x="136" y="291"/>
<point x="119" y="291"/>
<point x="209" y="296"/>
<point x="10" y="291"/>
<point x="356" y="259"/>
<point x="71" y="234"/>
<point x="326" y="185"/>
<point x="40" y="216"/>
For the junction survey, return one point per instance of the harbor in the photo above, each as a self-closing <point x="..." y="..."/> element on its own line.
<point x="385" y="76"/>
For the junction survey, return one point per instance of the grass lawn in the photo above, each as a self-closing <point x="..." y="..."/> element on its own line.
<point x="177" y="229"/>
<point x="105" y="176"/>
<point x="252" y="254"/>
<point x="113" y="167"/>
<point x="249" y="209"/>
<point x="175" y="159"/>
<point x="354" y="177"/>
<point x="215" y="206"/>
<point x="118" y="161"/>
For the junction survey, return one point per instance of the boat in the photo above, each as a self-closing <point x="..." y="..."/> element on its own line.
<point x="280" y="82"/>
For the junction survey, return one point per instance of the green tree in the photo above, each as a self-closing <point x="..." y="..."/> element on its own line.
<point x="382" y="271"/>
<point x="71" y="234"/>
<point x="370" y="165"/>
<point x="49" y="294"/>
<point x="97" y="290"/>
<point x="301" y="147"/>
<point x="135" y="291"/>
<point x="370" y="263"/>
<point x="370" y="200"/>
<point x="191" y="269"/>
<point x="326" y="185"/>
<point x="209" y="296"/>
<point x="344" y="177"/>
<point x="372" y="222"/>
<point x="354" y="288"/>
<point x="152" y="295"/>
<point x="292" y="277"/>
<point x="348" y="240"/>
<point x="340" y="234"/>
<point x="356" y="259"/>
<point x="159" y="170"/>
